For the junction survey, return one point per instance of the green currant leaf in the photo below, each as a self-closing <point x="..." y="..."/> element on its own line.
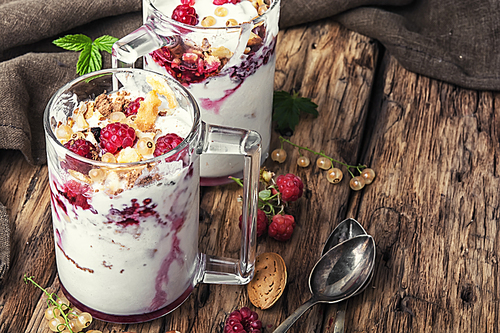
<point x="73" y="42"/>
<point x="90" y="60"/>
<point x="287" y="109"/>
<point x="105" y="43"/>
<point x="264" y="195"/>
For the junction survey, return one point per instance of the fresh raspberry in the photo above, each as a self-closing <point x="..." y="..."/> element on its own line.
<point x="82" y="147"/>
<point x="281" y="228"/>
<point x="116" y="136"/>
<point x="243" y="321"/>
<point x="75" y="192"/>
<point x="185" y="14"/>
<point x="188" y="2"/>
<point x="262" y="222"/>
<point x="133" y="107"/>
<point x="290" y="187"/>
<point x="166" y="143"/>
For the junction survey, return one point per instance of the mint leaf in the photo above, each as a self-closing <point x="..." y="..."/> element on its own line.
<point x="73" y="42"/>
<point x="90" y="60"/>
<point x="287" y="109"/>
<point x="105" y="43"/>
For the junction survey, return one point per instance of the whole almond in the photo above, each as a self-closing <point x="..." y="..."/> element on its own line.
<point x="269" y="280"/>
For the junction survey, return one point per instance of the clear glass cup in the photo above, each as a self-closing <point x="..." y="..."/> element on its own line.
<point x="238" y="94"/>
<point x="127" y="242"/>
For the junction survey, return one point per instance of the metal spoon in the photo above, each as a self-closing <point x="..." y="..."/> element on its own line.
<point x="338" y="275"/>
<point x="345" y="230"/>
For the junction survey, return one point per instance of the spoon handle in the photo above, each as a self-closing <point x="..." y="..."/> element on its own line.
<point x="340" y="319"/>
<point x="285" y="326"/>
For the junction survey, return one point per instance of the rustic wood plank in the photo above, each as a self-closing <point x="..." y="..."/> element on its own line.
<point x="24" y="191"/>
<point x="433" y="210"/>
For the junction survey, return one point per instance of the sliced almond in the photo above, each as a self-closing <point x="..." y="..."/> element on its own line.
<point x="269" y="280"/>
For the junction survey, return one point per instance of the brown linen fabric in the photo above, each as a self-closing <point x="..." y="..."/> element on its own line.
<point x="457" y="41"/>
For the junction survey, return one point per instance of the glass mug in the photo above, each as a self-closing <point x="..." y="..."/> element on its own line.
<point x="128" y="252"/>
<point x="237" y="91"/>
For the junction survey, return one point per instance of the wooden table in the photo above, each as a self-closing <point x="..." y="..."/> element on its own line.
<point x="432" y="209"/>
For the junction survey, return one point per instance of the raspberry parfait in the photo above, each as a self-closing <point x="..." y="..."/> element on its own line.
<point x="123" y="150"/>
<point x="223" y="52"/>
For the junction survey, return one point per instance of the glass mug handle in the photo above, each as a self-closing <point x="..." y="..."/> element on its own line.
<point x="137" y="44"/>
<point x="226" y="140"/>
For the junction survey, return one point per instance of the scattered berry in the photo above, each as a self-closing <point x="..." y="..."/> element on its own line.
<point x="262" y="222"/>
<point x="368" y="175"/>
<point x="323" y="163"/>
<point x="278" y="155"/>
<point x="334" y="175"/>
<point x="357" y="183"/>
<point x="242" y="321"/>
<point x="303" y="161"/>
<point x="185" y="14"/>
<point x="187" y="2"/>
<point x="166" y="143"/>
<point x="133" y="107"/>
<point x="82" y="147"/>
<point x="281" y="228"/>
<point x="290" y="187"/>
<point x="116" y="136"/>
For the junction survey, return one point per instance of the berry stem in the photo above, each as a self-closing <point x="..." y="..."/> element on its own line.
<point x="348" y="166"/>
<point x="50" y="297"/>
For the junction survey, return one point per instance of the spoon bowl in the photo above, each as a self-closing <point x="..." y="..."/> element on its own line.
<point x="346" y="229"/>
<point x="338" y="275"/>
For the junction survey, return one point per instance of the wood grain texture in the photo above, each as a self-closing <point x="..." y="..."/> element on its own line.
<point x="433" y="210"/>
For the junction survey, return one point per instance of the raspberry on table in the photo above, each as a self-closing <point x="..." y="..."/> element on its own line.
<point x="262" y="222"/>
<point x="166" y="143"/>
<point x="281" y="228"/>
<point x="116" y="136"/>
<point x="290" y="187"/>
<point x="243" y="321"/>
<point x="82" y="147"/>
<point x="185" y="14"/>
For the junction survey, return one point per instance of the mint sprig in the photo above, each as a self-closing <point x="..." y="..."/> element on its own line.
<point x="288" y="107"/>
<point x="90" y="59"/>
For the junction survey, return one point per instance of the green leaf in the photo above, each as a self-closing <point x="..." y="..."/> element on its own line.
<point x="105" y="43"/>
<point x="90" y="60"/>
<point x="264" y="194"/>
<point x="287" y="109"/>
<point x="73" y="42"/>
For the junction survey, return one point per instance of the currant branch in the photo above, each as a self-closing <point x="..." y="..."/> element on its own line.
<point x="348" y="166"/>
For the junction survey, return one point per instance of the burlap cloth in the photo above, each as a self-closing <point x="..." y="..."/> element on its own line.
<point x="456" y="41"/>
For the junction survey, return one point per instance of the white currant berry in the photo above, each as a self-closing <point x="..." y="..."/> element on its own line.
<point x="278" y="155"/>
<point x="303" y="161"/>
<point x="85" y="319"/>
<point x="97" y="175"/>
<point x="52" y="312"/>
<point x="63" y="303"/>
<point x="75" y="325"/>
<point x="323" y="163"/>
<point x="108" y="158"/>
<point x="368" y="175"/>
<point x="145" y="146"/>
<point x="117" y="117"/>
<point x="64" y="132"/>
<point x="56" y="324"/>
<point x="334" y="175"/>
<point x="357" y="183"/>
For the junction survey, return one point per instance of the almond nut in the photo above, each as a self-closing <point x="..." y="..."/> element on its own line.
<point x="269" y="280"/>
